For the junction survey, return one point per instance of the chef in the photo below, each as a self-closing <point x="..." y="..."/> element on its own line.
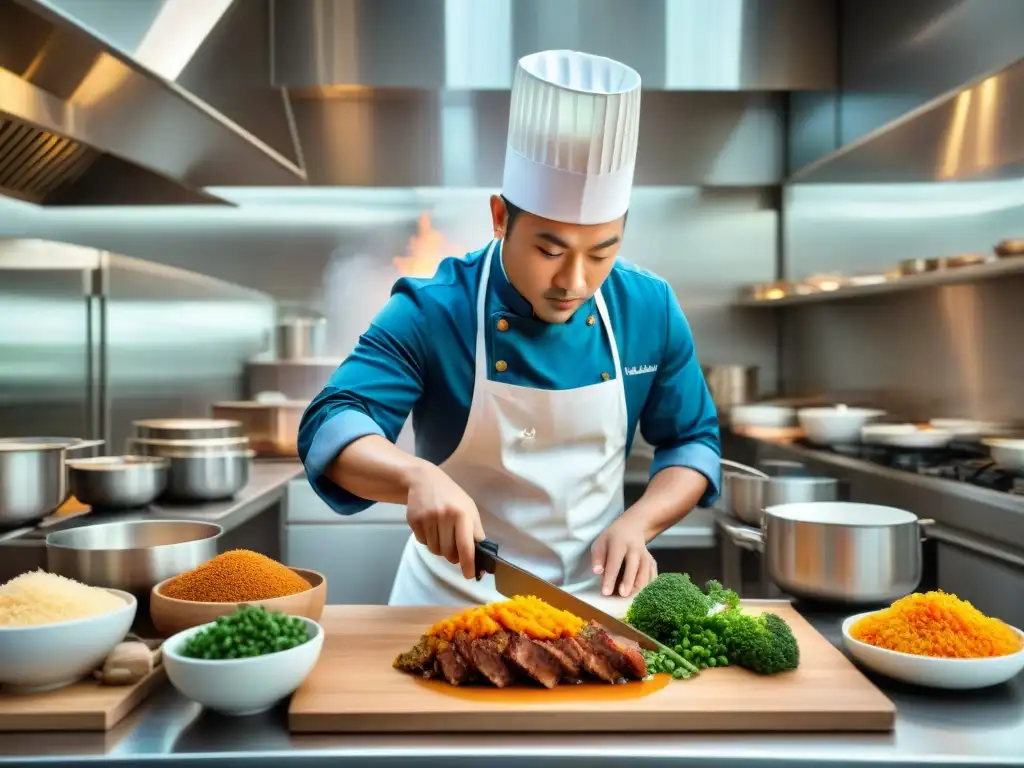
<point x="528" y="366"/>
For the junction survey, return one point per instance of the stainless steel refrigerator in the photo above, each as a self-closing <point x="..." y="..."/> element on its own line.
<point x="92" y="340"/>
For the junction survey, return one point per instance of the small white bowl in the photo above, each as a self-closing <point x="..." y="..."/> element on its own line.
<point x="241" y="686"/>
<point x="905" y="436"/>
<point x="46" y="657"/>
<point x="835" y="426"/>
<point x="930" y="671"/>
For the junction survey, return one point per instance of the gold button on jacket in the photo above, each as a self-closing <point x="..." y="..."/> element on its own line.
<point x="503" y="324"/>
<point x="500" y="366"/>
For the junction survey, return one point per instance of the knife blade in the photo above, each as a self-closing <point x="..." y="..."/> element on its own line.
<point x="511" y="580"/>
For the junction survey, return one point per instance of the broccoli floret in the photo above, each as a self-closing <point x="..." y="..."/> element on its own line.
<point x="764" y="643"/>
<point x="718" y="594"/>
<point x="666" y="604"/>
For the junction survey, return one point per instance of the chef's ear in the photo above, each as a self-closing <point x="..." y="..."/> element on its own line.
<point x="499" y="217"/>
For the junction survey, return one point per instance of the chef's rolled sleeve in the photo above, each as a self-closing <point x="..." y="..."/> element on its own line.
<point x="679" y="418"/>
<point x="371" y="393"/>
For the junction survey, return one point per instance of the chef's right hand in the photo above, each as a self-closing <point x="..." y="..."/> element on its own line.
<point x="444" y="518"/>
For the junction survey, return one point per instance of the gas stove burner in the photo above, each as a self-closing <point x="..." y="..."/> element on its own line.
<point x="962" y="462"/>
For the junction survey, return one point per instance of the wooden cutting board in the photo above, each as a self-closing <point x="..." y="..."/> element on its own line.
<point x="84" y="706"/>
<point x="355" y="689"/>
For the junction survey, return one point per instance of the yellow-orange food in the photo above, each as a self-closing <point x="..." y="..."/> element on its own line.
<point x="937" y="624"/>
<point x="237" y="576"/>
<point x="529" y="615"/>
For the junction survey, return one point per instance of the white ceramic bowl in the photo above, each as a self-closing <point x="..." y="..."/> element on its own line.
<point x="932" y="672"/>
<point x="762" y="415"/>
<point x="905" y="436"/>
<point x="241" y="686"/>
<point x="835" y="426"/>
<point x="51" y="656"/>
<point x="969" y="429"/>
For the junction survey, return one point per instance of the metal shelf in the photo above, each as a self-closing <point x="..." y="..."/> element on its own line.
<point x="953" y="276"/>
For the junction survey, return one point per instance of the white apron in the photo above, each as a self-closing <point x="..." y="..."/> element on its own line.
<point x="545" y="469"/>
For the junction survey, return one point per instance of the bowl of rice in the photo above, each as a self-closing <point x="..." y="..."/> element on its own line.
<point x="54" y="631"/>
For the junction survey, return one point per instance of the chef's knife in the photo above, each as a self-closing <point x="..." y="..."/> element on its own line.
<point x="511" y="580"/>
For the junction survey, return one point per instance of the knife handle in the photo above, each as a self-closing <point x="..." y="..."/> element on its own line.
<point x="486" y="554"/>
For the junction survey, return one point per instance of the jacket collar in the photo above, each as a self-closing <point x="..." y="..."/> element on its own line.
<point x="507" y="294"/>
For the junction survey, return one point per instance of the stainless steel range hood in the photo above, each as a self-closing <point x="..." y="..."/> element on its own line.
<point x="71" y="99"/>
<point x="973" y="133"/>
<point x="718" y="45"/>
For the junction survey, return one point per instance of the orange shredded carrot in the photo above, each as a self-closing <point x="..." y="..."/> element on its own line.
<point x="529" y="615"/>
<point x="937" y="624"/>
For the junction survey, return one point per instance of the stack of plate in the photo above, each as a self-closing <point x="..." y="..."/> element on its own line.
<point x="210" y="459"/>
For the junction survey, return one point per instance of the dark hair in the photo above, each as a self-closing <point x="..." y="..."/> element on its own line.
<point x="512" y="212"/>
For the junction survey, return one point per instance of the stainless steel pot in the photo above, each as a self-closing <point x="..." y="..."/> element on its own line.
<point x="301" y="338"/>
<point x="32" y="482"/>
<point x="117" y="482"/>
<point x="745" y="495"/>
<point x="68" y="443"/>
<point x="838" y="551"/>
<point x="133" y="556"/>
<point x="207" y="476"/>
<point x="731" y="385"/>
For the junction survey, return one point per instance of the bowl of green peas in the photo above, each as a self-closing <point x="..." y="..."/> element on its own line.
<point x="245" y="662"/>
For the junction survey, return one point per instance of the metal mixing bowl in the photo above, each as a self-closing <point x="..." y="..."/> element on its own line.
<point x="133" y="556"/>
<point x="207" y="476"/>
<point x="169" y="448"/>
<point x="117" y="482"/>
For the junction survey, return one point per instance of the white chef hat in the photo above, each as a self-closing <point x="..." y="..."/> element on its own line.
<point x="572" y="137"/>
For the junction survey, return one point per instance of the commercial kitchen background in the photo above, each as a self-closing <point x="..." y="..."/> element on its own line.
<point x="779" y="140"/>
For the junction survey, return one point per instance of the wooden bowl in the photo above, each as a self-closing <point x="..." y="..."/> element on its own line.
<point x="170" y="615"/>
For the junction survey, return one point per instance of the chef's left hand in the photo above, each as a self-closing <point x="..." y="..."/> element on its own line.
<point x="623" y="547"/>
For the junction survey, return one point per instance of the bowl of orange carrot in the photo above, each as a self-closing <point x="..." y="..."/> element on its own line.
<point x="937" y="640"/>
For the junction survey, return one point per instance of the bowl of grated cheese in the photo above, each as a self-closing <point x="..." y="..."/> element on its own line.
<point x="55" y="631"/>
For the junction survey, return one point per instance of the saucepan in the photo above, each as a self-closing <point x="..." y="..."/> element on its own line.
<point x="837" y="551"/>
<point x="745" y="495"/>
<point x="33" y="477"/>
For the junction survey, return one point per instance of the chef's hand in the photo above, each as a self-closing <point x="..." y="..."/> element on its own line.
<point x="623" y="547"/>
<point x="443" y="518"/>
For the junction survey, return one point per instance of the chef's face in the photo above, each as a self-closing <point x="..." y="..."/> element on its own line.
<point x="555" y="266"/>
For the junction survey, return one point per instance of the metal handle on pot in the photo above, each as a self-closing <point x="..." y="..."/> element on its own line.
<point x="744" y="468"/>
<point x="742" y="536"/>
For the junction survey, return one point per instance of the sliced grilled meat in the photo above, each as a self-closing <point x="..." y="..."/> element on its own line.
<point x="594" y="661"/>
<point x="534" y="660"/>
<point x="420" y="658"/>
<point x="622" y="654"/>
<point x="452" y="666"/>
<point x="499" y="658"/>
<point x="486" y="655"/>
<point x="636" y="665"/>
<point x="569" y="660"/>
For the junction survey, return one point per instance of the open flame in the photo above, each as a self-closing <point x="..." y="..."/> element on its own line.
<point x="425" y="250"/>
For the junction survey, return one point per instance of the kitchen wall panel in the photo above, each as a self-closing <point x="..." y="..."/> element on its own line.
<point x="333" y="249"/>
<point x="433" y="138"/>
<point x="948" y="351"/>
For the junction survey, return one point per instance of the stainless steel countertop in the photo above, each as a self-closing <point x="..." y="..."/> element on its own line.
<point x="267" y="484"/>
<point x="982" y="728"/>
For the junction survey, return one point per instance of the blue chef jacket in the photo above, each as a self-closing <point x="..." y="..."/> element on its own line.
<point x="418" y="355"/>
